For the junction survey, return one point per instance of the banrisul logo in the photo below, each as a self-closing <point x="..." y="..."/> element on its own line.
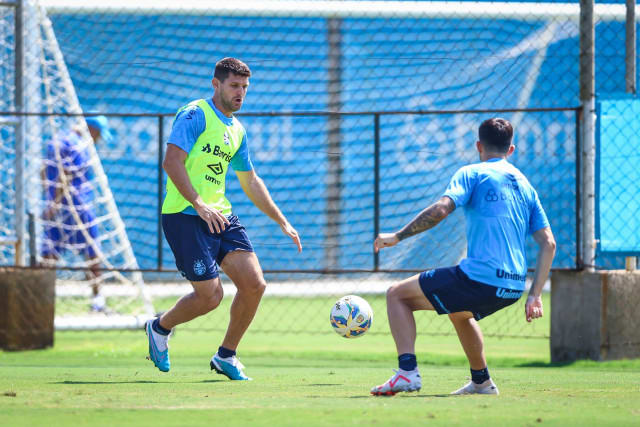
<point x="198" y="267"/>
<point x="225" y="138"/>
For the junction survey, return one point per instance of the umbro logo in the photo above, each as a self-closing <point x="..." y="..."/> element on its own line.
<point x="216" y="168"/>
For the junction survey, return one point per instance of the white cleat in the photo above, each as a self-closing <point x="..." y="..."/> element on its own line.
<point x="487" y="387"/>
<point x="401" y="381"/>
<point x="230" y="367"/>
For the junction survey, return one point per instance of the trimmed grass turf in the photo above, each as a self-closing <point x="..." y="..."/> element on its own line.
<point x="101" y="378"/>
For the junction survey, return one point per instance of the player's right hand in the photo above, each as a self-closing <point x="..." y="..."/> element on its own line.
<point x="214" y="218"/>
<point x="385" y="240"/>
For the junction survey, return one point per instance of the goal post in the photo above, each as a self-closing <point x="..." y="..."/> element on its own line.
<point x="52" y="149"/>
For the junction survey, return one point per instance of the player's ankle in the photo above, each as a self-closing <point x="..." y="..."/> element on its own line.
<point x="225" y="352"/>
<point x="480" y="376"/>
<point x="407" y="362"/>
<point x="157" y="327"/>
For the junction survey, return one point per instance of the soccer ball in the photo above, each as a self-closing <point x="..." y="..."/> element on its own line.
<point x="351" y="316"/>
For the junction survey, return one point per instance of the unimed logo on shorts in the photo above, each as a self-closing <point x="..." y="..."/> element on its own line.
<point x="508" y="294"/>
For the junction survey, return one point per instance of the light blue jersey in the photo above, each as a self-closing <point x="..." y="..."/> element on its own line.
<point x="501" y="208"/>
<point x="186" y="129"/>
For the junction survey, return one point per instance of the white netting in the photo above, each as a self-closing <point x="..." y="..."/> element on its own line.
<point x="78" y="228"/>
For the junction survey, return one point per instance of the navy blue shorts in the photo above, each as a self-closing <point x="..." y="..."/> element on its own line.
<point x="449" y="290"/>
<point x="197" y="250"/>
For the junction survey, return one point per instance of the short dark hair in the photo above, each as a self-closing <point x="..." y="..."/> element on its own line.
<point x="496" y="134"/>
<point x="227" y="66"/>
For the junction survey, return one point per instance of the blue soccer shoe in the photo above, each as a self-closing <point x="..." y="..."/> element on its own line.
<point x="158" y="348"/>
<point x="229" y="367"/>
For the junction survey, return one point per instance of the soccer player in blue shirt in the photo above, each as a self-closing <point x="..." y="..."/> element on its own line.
<point x="501" y="208"/>
<point x="69" y="217"/>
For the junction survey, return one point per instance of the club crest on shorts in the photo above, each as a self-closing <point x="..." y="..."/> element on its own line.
<point x="198" y="267"/>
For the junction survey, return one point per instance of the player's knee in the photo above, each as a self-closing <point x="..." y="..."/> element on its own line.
<point x="255" y="287"/>
<point x="213" y="301"/>
<point x="210" y="300"/>
<point x="215" y="298"/>
<point x="392" y="293"/>
<point x="260" y="286"/>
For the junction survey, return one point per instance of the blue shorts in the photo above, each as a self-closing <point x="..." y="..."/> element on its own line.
<point x="449" y="290"/>
<point x="67" y="234"/>
<point x="197" y="250"/>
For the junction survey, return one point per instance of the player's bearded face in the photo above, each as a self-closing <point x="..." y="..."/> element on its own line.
<point x="232" y="92"/>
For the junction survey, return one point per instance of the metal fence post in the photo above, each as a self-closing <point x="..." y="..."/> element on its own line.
<point x="630" y="47"/>
<point x="160" y="190"/>
<point x="587" y="99"/>
<point x="32" y="239"/>
<point x="579" y="257"/>
<point x="630" y="78"/>
<point x="376" y="186"/>
<point x="334" y="155"/>
<point x="20" y="132"/>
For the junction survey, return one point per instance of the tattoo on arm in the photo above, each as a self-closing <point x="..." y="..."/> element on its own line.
<point x="428" y="218"/>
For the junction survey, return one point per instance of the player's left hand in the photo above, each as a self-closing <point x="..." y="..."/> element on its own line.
<point x="385" y="240"/>
<point x="291" y="232"/>
<point x="533" y="308"/>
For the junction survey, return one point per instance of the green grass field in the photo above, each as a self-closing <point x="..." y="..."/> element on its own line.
<point x="102" y="378"/>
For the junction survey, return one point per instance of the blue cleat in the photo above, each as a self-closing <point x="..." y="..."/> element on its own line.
<point x="229" y="367"/>
<point x="158" y="348"/>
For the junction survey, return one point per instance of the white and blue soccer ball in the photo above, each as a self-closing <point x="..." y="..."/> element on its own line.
<point x="351" y="316"/>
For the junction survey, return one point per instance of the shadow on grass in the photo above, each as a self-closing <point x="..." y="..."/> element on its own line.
<point x="110" y="382"/>
<point x="545" y="364"/>
<point x="401" y="396"/>
<point x="137" y="382"/>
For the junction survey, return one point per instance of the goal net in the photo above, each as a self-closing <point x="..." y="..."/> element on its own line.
<point x="51" y="170"/>
<point x="465" y="59"/>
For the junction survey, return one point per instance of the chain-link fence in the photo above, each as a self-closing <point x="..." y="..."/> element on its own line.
<point x="357" y="115"/>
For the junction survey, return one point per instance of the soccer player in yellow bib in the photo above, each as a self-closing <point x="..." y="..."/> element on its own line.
<point x="197" y="221"/>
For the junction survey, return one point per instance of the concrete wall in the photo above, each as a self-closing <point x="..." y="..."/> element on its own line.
<point x="595" y="315"/>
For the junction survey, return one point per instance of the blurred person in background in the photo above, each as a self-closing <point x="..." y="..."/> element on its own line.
<point x="69" y="216"/>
